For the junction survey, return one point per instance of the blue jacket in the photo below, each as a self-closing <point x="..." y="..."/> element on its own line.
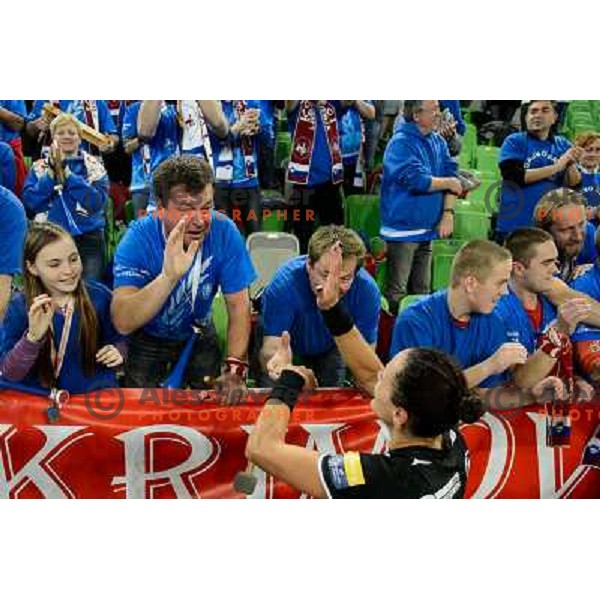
<point x="80" y="208"/>
<point x="409" y="212"/>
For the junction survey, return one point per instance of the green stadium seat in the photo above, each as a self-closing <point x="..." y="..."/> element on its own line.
<point x="487" y="159"/>
<point x="408" y="300"/>
<point x="220" y="319"/>
<point x="283" y="148"/>
<point x="362" y="214"/>
<point x="466" y="159"/>
<point x="471" y="221"/>
<point x="443" y="252"/>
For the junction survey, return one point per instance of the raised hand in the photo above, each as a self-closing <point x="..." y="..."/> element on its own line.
<point x="40" y="316"/>
<point x="507" y="355"/>
<point x="177" y="261"/>
<point x="328" y="294"/>
<point x="282" y="357"/>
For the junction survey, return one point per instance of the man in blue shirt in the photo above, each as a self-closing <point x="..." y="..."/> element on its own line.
<point x="235" y="159"/>
<point x="168" y="268"/>
<point x="289" y="304"/>
<point x="418" y="193"/>
<point x="315" y="169"/>
<point x="7" y="167"/>
<point x="151" y="134"/>
<point x="460" y="321"/>
<point x="531" y="320"/>
<point x="532" y="163"/>
<point x="13" y="227"/>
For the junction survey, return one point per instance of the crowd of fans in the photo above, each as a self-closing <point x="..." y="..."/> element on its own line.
<point x="186" y="181"/>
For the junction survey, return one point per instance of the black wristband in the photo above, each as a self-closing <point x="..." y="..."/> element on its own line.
<point x="288" y="388"/>
<point x="338" y="320"/>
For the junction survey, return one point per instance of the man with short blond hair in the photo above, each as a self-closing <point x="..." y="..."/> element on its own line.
<point x="289" y="303"/>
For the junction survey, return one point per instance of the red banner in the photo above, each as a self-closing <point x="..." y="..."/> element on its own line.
<point x="174" y="444"/>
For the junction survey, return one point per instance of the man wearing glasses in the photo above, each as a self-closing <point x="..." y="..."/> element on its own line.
<point x="289" y="305"/>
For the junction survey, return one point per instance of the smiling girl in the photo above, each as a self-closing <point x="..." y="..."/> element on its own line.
<point x="58" y="333"/>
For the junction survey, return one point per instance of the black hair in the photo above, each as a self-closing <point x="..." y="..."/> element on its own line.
<point x="433" y="390"/>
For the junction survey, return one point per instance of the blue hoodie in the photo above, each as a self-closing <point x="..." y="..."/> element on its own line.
<point x="409" y="212"/>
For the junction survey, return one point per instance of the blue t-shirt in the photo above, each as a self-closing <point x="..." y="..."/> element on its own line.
<point x="225" y="264"/>
<point x="590" y="187"/>
<point x="13" y="228"/>
<point x="230" y="168"/>
<point x="289" y="304"/>
<point x="320" y="165"/>
<point x="351" y="134"/>
<point x="428" y="323"/>
<point x="588" y="254"/>
<point x="516" y="209"/>
<point x="519" y="328"/>
<point x="164" y="144"/>
<point x="72" y="376"/>
<point x="7" y="167"/>
<point x="18" y="107"/>
<point x="587" y="283"/>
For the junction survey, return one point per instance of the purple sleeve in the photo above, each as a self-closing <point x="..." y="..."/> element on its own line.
<point x="18" y="362"/>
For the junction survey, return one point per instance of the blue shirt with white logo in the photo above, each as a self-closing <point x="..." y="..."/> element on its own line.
<point x="225" y="264"/>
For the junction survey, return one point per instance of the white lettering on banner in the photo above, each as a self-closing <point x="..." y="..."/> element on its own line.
<point x="136" y="477"/>
<point x="545" y="457"/>
<point x="38" y="470"/>
<point x="500" y="459"/>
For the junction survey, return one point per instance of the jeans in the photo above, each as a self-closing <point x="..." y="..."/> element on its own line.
<point x="91" y="248"/>
<point x="322" y="202"/>
<point x="408" y="271"/>
<point x="150" y="360"/>
<point x="266" y="166"/>
<point x="237" y="203"/>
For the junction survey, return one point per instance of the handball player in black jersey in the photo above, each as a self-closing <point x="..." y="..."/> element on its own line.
<point x="421" y="396"/>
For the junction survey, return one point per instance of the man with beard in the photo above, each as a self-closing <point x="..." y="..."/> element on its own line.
<point x="562" y="213"/>
<point x="168" y="268"/>
<point x="290" y="304"/>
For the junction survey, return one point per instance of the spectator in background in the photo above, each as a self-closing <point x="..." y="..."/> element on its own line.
<point x="589" y="166"/>
<point x="195" y="117"/>
<point x="563" y="214"/>
<point x="235" y="157"/>
<point x="58" y="333"/>
<point x="12" y="122"/>
<point x="393" y="111"/>
<point x="352" y="139"/>
<point x="289" y="304"/>
<point x="151" y="135"/>
<point x="13" y="226"/>
<point x="168" y="269"/>
<point x="8" y="171"/>
<point x="418" y="193"/>
<point x="70" y="187"/>
<point x="93" y="113"/>
<point x="315" y="170"/>
<point x="533" y="162"/>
